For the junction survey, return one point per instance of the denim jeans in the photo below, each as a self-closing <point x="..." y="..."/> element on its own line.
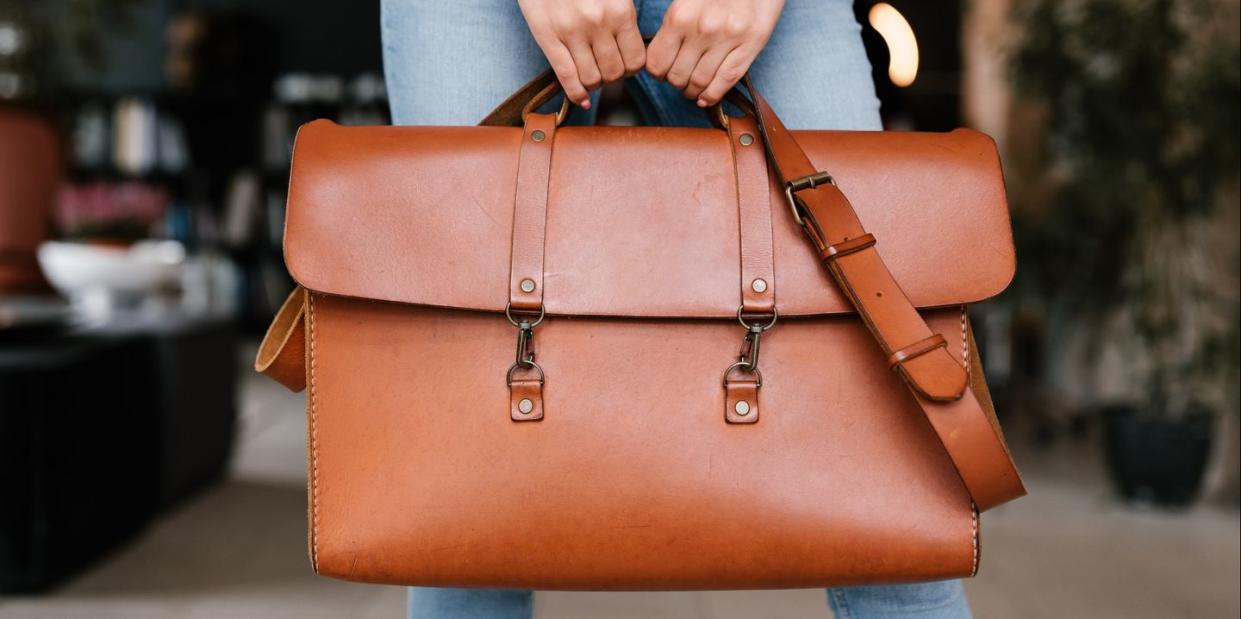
<point x="450" y="63"/>
<point x="931" y="600"/>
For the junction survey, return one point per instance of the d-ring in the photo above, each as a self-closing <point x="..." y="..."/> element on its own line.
<point x="745" y="366"/>
<point x="536" y="367"/>
<point x="775" y="315"/>
<point x="508" y="313"/>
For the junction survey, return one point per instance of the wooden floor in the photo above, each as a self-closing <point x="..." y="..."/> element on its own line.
<point x="238" y="551"/>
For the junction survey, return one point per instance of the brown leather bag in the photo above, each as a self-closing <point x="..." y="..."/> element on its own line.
<point x="626" y="444"/>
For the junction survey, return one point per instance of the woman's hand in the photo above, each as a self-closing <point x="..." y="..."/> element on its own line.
<point x="704" y="47"/>
<point x="587" y="42"/>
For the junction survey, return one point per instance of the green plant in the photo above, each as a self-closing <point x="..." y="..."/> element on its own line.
<point x="1141" y="152"/>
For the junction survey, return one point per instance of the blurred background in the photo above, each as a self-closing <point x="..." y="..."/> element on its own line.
<point x="144" y="146"/>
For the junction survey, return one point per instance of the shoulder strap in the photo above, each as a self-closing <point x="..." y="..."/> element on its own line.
<point x="937" y="382"/>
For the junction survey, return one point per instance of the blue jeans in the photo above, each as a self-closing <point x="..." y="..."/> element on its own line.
<point x="450" y="63"/>
<point x="931" y="600"/>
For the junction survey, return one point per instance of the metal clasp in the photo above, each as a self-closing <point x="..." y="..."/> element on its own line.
<point x="747" y="358"/>
<point x="750" y="346"/>
<point x="806" y="182"/>
<point x="525" y="344"/>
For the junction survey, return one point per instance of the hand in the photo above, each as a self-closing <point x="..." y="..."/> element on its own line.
<point x="704" y="47"/>
<point x="587" y="42"/>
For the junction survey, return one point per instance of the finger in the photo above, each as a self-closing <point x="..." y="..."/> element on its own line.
<point x="566" y="71"/>
<point x="632" y="51"/>
<point x="683" y="66"/>
<point x="608" y="58"/>
<point x="731" y="70"/>
<point x="584" y="59"/>
<point x="661" y="53"/>
<point x="705" y="70"/>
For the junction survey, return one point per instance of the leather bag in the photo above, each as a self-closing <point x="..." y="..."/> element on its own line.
<point x="532" y="352"/>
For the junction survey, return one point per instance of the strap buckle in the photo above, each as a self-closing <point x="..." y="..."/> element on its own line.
<point x="810" y="181"/>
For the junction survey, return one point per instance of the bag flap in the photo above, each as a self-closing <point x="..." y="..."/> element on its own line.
<point x="641" y="221"/>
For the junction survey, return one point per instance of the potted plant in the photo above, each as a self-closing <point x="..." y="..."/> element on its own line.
<point x="1132" y="246"/>
<point x="36" y="38"/>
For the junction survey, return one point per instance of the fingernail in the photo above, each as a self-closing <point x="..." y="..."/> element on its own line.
<point x="585" y="104"/>
<point x="702" y="103"/>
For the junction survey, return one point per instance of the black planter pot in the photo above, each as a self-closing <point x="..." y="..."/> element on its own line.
<point x="1154" y="459"/>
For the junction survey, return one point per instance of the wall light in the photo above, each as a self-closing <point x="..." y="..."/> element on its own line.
<point x="902" y="46"/>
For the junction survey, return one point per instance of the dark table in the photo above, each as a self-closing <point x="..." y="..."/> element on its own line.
<point x="101" y="428"/>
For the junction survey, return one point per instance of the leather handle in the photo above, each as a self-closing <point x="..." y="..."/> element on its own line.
<point x="544" y="87"/>
<point x="538" y="91"/>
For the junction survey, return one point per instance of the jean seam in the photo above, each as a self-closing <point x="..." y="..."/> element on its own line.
<point x="648" y="87"/>
<point x="646" y="108"/>
<point x="842" y="602"/>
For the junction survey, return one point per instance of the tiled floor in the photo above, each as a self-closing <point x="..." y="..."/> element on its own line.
<point x="238" y="551"/>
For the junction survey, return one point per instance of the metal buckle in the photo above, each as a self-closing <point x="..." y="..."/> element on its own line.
<point x="806" y="182"/>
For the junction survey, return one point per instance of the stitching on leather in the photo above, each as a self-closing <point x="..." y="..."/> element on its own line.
<point x="314" y="439"/>
<point x="547" y="192"/>
<point x="965" y="342"/>
<point x="771" y="229"/>
<point x="736" y="157"/>
<point x="974" y="537"/>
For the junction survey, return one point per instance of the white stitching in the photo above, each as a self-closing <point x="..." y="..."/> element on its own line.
<point x="314" y="440"/>
<point x="974" y="536"/>
<point x="965" y="342"/>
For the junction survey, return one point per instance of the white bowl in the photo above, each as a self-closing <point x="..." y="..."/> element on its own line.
<point x="76" y="269"/>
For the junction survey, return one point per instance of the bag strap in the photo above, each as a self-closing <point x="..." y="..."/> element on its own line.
<point x="953" y="397"/>
<point x="938" y="383"/>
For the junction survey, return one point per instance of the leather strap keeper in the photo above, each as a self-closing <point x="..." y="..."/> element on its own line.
<point x="848" y="246"/>
<point x="917" y="348"/>
<point x="526" y="399"/>
<point x="741" y="400"/>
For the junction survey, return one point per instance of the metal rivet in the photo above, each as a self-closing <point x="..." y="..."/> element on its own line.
<point x="759" y="285"/>
<point x="537" y="135"/>
<point x="746" y="139"/>
<point x="742" y="408"/>
<point x="527" y="285"/>
<point x="525" y="406"/>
